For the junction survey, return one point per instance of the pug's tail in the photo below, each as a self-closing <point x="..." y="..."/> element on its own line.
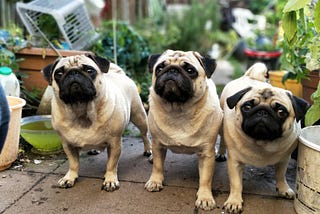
<point x="116" y="69"/>
<point x="258" y="71"/>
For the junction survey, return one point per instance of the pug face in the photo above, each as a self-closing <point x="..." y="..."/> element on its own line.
<point x="179" y="76"/>
<point x="266" y="113"/>
<point x="76" y="77"/>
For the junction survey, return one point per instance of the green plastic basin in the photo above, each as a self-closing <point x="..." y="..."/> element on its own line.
<point x="38" y="131"/>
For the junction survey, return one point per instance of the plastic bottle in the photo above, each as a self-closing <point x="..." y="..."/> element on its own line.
<point x="9" y="82"/>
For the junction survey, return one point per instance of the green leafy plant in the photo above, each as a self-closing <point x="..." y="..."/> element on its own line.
<point x="196" y="25"/>
<point x="11" y="41"/>
<point x="49" y="26"/>
<point x="132" y="53"/>
<point x="262" y="42"/>
<point x="301" y="45"/>
<point x="313" y="113"/>
<point x="300" y="24"/>
<point x="8" y="59"/>
<point x="159" y="37"/>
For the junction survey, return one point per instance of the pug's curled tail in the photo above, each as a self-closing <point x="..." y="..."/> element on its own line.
<point x="116" y="69"/>
<point x="258" y="71"/>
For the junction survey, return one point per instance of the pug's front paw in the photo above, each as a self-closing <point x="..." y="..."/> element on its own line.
<point x="286" y="193"/>
<point x="111" y="183"/>
<point x="205" y="200"/>
<point x="153" y="186"/>
<point x="68" y="180"/>
<point x="233" y="205"/>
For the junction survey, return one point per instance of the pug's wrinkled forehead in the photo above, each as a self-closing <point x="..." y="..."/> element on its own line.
<point x="76" y="62"/>
<point x="269" y="95"/>
<point x="179" y="58"/>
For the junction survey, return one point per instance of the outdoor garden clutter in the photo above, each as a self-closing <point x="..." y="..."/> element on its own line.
<point x="95" y="70"/>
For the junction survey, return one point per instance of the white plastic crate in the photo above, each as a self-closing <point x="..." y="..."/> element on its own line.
<point x="71" y="18"/>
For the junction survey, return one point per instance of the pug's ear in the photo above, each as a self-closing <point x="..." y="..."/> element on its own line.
<point x="152" y="61"/>
<point x="47" y="71"/>
<point x="102" y="63"/>
<point x="300" y="106"/>
<point x="209" y="64"/>
<point x="234" y="99"/>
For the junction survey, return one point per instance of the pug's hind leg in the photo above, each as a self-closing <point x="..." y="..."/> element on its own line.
<point x="204" y="195"/>
<point x="73" y="157"/>
<point x="111" y="181"/>
<point x="139" y="119"/>
<point x="282" y="186"/>
<point x="154" y="184"/>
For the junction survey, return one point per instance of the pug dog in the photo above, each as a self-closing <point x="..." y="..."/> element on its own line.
<point x="184" y="116"/>
<point x="93" y="101"/>
<point x="256" y="74"/>
<point x="260" y="127"/>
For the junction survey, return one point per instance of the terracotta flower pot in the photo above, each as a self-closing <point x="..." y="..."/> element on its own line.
<point x="310" y="85"/>
<point x="294" y="86"/>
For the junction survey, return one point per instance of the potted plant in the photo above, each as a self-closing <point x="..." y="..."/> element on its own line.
<point x="300" y="23"/>
<point x="313" y="114"/>
<point x="27" y="61"/>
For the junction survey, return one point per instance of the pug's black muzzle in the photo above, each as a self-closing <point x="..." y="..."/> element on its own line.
<point x="173" y="84"/>
<point x="76" y="87"/>
<point x="262" y="123"/>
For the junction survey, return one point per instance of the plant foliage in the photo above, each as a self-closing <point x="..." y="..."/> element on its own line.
<point x="132" y="53"/>
<point x="300" y="44"/>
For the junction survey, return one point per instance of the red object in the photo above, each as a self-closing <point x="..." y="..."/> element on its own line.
<point x="262" y="54"/>
<point x="106" y="9"/>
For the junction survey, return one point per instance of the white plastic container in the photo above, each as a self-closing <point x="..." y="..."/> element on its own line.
<point x="71" y="17"/>
<point x="9" y="82"/>
<point x="307" y="199"/>
<point x="10" y="149"/>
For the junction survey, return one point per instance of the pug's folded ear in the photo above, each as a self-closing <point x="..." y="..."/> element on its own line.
<point x="234" y="99"/>
<point x="300" y="106"/>
<point x="152" y="61"/>
<point x="209" y="64"/>
<point x="47" y="71"/>
<point x="102" y="63"/>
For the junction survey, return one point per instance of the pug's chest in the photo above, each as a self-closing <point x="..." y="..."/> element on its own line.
<point x="95" y="136"/>
<point x="262" y="153"/>
<point x="181" y="138"/>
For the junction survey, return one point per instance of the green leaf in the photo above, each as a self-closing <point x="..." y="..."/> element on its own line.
<point x="317" y="17"/>
<point x="289" y="25"/>
<point x="293" y="5"/>
<point x="313" y="113"/>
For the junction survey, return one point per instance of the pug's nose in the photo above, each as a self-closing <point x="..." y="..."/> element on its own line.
<point x="262" y="113"/>
<point x="74" y="72"/>
<point x="173" y="71"/>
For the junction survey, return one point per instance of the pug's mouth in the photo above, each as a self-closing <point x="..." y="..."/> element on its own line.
<point x="77" y="90"/>
<point x="262" y="125"/>
<point x="174" y="87"/>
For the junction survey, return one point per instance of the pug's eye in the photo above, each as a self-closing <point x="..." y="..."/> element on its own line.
<point x="190" y="70"/>
<point x="247" y="106"/>
<point x="159" y="68"/>
<point x="90" y="71"/>
<point x="282" y="112"/>
<point x="59" y="73"/>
